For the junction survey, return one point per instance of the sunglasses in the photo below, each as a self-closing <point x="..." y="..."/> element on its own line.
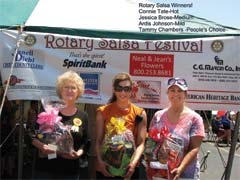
<point x="179" y="81"/>
<point x="123" y="88"/>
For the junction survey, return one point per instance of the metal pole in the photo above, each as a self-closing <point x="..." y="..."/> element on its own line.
<point x="232" y="149"/>
<point x="20" y="141"/>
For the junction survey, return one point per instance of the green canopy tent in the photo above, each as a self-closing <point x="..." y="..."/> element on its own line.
<point x="96" y="19"/>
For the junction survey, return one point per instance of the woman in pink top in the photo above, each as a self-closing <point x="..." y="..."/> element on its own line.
<point x="186" y="129"/>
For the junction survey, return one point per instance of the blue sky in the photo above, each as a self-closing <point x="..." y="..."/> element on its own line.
<point x="223" y="12"/>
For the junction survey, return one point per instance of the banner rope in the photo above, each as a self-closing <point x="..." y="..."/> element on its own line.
<point x="19" y="39"/>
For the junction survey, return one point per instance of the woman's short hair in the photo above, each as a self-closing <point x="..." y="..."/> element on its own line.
<point x="72" y="77"/>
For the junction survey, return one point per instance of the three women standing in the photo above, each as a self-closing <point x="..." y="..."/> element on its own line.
<point x="184" y="125"/>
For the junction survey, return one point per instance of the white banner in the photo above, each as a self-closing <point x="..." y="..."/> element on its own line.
<point x="211" y="67"/>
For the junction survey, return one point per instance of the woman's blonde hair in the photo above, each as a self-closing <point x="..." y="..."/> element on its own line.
<point x="73" y="77"/>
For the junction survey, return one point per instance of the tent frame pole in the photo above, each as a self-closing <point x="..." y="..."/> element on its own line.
<point x="20" y="141"/>
<point x="227" y="172"/>
<point x="21" y="135"/>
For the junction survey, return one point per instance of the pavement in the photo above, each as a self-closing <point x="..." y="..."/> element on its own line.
<point x="214" y="166"/>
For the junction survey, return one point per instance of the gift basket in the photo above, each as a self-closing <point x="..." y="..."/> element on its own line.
<point x="163" y="152"/>
<point x="51" y="130"/>
<point x="118" y="146"/>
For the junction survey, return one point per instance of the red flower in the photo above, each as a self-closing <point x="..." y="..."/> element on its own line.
<point x="158" y="134"/>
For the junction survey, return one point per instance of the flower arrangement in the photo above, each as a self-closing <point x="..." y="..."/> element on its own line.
<point x="118" y="146"/>
<point x="51" y="129"/>
<point x="48" y="119"/>
<point x="163" y="152"/>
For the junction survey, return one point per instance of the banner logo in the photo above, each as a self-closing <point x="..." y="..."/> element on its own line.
<point x="217" y="46"/>
<point x="30" y="40"/>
